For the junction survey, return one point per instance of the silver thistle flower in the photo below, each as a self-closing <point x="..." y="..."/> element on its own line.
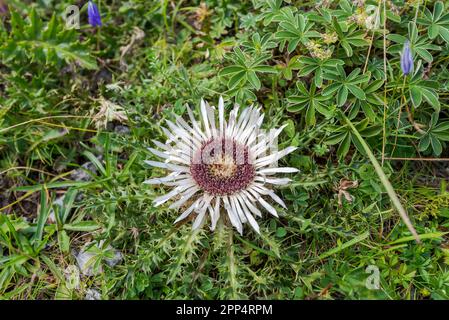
<point x="221" y="167"/>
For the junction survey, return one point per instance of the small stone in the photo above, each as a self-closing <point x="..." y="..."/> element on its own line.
<point x="81" y="174"/>
<point x="85" y="261"/>
<point x="116" y="259"/>
<point x="86" y="258"/>
<point x="92" y="294"/>
<point x="120" y="129"/>
<point x="58" y="202"/>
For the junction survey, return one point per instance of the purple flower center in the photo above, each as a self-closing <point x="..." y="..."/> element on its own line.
<point x="222" y="167"/>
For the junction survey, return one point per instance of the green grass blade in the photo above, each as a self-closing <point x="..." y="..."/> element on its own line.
<point x="383" y="178"/>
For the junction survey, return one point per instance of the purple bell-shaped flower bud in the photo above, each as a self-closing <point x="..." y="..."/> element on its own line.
<point x="94" y="14"/>
<point x="406" y="59"/>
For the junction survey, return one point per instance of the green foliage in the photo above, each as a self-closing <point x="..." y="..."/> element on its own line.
<point x="78" y="108"/>
<point x="318" y="67"/>
<point x="311" y="100"/>
<point x="419" y="89"/>
<point x="50" y="44"/>
<point x="437" y="22"/>
<point x="435" y="133"/>
<point x="294" y="29"/>
<point x="349" y="38"/>
<point x="25" y="243"/>
<point x="420" y="45"/>
<point x="341" y="84"/>
<point x="343" y="136"/>
<point x="246" y="68"/>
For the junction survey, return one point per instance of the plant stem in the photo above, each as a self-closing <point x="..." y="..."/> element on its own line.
<point x="384" y="122"/>
<point x="383" y="178"/>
